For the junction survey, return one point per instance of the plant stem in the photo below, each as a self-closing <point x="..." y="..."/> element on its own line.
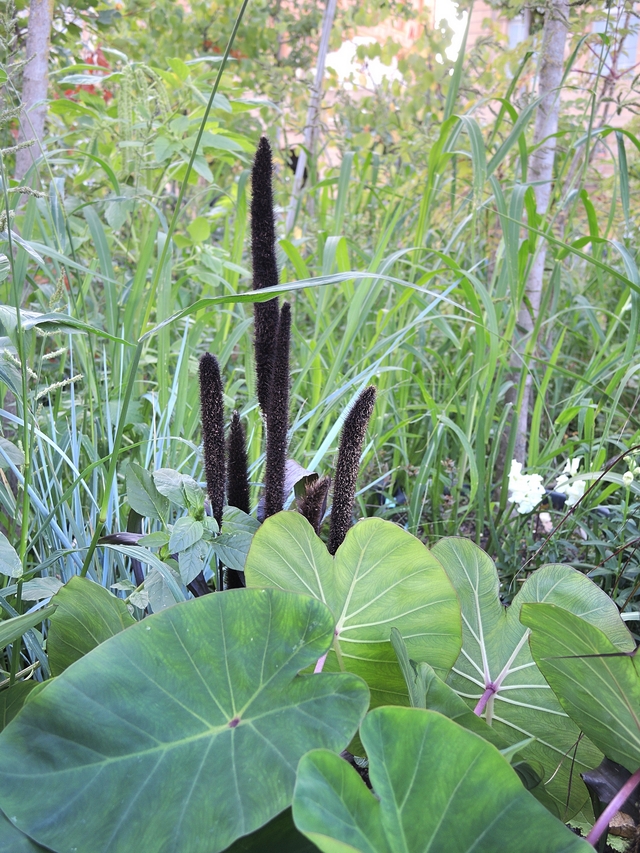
<point x="320" y="665"/>
<point x="482" y="702"/>
<point x="313" y="113"/>
<point x="336" y="647"/>
<point x="541" y="177"/>
<point x="602" y="824"/>
<point x="34" y="85"/>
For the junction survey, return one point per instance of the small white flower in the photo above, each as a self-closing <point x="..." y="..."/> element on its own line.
<point x="525" y="490"/>
<point x="573" y="491"/>
<point x="627" y="478"/>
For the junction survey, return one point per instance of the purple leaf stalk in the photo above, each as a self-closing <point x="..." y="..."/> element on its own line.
<point x="602" y="824"/>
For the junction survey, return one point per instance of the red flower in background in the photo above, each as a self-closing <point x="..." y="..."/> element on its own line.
<point x="97" y="58"/>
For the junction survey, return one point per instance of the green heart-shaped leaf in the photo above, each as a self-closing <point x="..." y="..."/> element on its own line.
<point x="428" y="691"/>
<point x="87" y="615"/>
<point x="14" y="841"/>
<point x="601" y="694"/>
<point x="181" y="733"/>
<point x="496" y="657"/>
<point x="438" y="787"/>
<point x="279" y="834"/>
<point x="12" y="700"/>
<point x="381" y="578"/>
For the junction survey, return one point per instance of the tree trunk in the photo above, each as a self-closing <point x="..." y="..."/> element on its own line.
<point x="34" y="85"/>
<point x="550" y="70"/>
<point x="313" y="113"/>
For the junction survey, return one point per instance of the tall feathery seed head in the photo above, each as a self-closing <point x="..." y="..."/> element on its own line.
<point x="313" y="504"/>
<point x="349" y="451"/>
<point x="237" y="469"/>
<point x="265" y="269"/>
<point x="278" y="418"/>
<point x="212" y="413"/>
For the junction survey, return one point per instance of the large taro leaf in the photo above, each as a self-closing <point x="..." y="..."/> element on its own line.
<point x="12" y="700"/>
<point x="438" y="788"/>
<point x="278" y="836"/>
<point x="380" y="578"/>
<point x="87" y="615"/>
<point x="597" y="685"/>
<point x="496" y="657"/>
<point x="14" y="841"/>
<point x="181" y="733"/>
<point x="428" y="691"/>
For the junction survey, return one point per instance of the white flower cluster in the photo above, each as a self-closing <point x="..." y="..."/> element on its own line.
<point x="634" y="470"/>
<point x="525" y="490"/>
<point x="573" y="491"/>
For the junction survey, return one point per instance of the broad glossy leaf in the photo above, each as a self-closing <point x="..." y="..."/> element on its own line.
<point x="192" y="560"/>
<point x="142" y="494"/>
<point x="235" y="521"/>
<point x="86" y="616"/>
<point x="39" y="588"/>
<point x="181" y="733"/>
<point x="169" y="483"/>
<point x="158" y="591"/>
<point x="601" y="694"/>
<point x="232" y="549"/>
<point x="438" y="787"/>
<point x="186" y="532"/>
<point x="232" y="545"/>
<point x="381" y="578"/>
<point x="278" y="836"/>
<point x="429" y="692"/>
<point x="12" y="699"/>
<point x="14" y="841"/>
<point x="495" y="652"/>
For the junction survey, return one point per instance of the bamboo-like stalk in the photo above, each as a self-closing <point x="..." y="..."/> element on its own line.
<point x="34" y="86"/>
<point x="312" y="124"/>
<point x="551" y="67"/>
